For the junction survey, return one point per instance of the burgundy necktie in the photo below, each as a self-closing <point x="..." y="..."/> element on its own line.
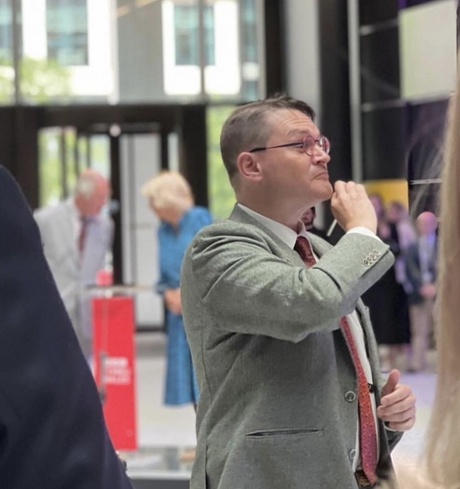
<point x="368" y="432"/>
<point x="303" y="248"/>
<point x="84" y="222"/>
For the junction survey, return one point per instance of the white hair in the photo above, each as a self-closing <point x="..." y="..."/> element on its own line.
<point x="87" y="184"/>
<point x="85" y="187"/>
<point x="168" y="189"/>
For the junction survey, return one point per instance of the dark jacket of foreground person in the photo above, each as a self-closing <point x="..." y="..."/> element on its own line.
<point x="52" y="431"/>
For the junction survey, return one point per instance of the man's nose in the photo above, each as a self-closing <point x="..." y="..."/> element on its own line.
<point x="320" y="156"/>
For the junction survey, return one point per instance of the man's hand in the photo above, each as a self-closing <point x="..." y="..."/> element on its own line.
<point x="173" y="301"/>
<point x="397" y="406"/>
<point x="352" y="207"/>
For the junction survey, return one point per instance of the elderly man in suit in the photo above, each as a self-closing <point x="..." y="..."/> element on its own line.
<point x="76" y="237"/>
<point x="52" y="431"/>
<point x="291" y="394"/>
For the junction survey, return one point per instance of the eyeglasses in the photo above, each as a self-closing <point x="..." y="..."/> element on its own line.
<point x="308" y="145"/>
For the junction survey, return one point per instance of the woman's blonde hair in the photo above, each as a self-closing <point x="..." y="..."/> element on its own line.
<point x="443" y="442"/>
<point x="169" y="189"/>
<point x="439" y="465"/>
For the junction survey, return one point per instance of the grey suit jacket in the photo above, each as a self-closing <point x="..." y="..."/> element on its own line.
<point x="278" y="406"/>
<point x="71" y="272"/>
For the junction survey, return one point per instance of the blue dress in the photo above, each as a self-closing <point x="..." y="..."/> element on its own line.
<point x="181" y="384"/>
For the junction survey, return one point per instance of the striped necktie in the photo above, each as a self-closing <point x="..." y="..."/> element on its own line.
<point x="84" y="223"/>
<point x="368" y="432"/>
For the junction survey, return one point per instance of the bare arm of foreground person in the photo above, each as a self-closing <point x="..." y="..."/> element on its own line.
<point x="52" y="431"/>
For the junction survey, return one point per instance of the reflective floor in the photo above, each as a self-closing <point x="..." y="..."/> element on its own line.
<point x="167" y="434"/>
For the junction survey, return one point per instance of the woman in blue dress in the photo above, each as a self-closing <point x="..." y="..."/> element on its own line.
<point x="171" y="199"/>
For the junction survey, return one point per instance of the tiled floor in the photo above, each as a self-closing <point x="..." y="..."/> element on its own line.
<point x="165" y="432"/>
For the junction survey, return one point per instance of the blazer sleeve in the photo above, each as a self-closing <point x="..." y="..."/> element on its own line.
<point x="276" y="295"/>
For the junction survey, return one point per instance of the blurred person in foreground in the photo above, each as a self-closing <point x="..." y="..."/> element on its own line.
<point x="438" y="466"/>
<point x="170" y="198"/>
<point x="52" y="431"/>
<point x="291" y="392"/>
<point x="77" y="235"/>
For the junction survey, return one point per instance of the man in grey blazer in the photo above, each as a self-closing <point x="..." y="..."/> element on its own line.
<point x="279" y="393"/>
<point x="76" y="238"/>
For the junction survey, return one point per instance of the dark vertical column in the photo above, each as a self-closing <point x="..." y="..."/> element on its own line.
<point x="194" y="156"/>
<point x="383" y="111"/>
<point x="458" y="25"/>
<point x="19" y="147"/>
<point x="26" y="153"/>
<point x="335" y="98"/>
<point x="275" y="48"/>
<point x="164" y="149"/>
<point x="7" y="137"/>
<point x="115" y="177"/>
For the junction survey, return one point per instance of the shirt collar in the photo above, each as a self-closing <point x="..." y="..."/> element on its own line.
<point x="285" y="233"/>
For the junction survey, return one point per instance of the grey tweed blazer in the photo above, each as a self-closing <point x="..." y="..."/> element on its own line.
<point x="278" y="408"/>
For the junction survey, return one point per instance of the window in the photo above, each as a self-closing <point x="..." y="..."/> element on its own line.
<point x="67" y="31"/>
<point x="186" y="32"/>
<point x="6" y="21"/>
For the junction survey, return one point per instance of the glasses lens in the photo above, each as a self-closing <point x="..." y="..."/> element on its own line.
<point x="324" y="144"/>
<point x="309" y="145"/>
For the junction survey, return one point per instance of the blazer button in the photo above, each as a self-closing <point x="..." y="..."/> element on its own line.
<point x="350" y="396"/>
<point x="352" y="454"/>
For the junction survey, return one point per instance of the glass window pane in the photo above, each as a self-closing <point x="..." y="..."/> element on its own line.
<point x="186" y="34"/>
<point x="231" y="59"/>
<point x="67" y="31"/>
<point x="50" y="169"/>
<point x="6" y="44"/>
<point x="60" y="152"/>
<point x="209" y="35"/>
<point x="250" y="51"/>
<point x="100" y="154"/>
<point x="6" y="53"/>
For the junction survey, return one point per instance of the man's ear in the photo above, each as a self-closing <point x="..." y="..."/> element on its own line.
<point x="249" y="167"/>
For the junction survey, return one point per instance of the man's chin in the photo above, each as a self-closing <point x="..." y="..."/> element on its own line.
<point x="327" y="192"/>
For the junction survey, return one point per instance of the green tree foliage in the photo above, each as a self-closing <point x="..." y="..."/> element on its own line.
<point x="41" y="81"/>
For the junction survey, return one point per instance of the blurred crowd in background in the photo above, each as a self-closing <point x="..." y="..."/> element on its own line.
<point x="401" y="304"/>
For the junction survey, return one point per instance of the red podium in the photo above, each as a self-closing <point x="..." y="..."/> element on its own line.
<point x="115" y="370"/>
